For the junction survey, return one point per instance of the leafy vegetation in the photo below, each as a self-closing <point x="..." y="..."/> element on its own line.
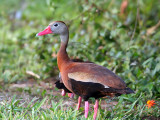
<point x="125" y="41"/>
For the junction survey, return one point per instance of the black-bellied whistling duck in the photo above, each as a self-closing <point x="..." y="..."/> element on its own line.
<point x="84" y="79"/>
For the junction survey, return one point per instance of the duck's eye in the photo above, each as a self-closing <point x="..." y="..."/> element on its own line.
<point x="56" y="25"/>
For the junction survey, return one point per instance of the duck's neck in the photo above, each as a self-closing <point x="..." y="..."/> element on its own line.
<point x="62" y="57"/>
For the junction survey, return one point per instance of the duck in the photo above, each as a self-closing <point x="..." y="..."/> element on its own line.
<point x="84" y="79"/>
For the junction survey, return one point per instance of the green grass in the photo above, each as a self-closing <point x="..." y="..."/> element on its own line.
<point x="37" y="109"/>
<point x="98" y="33"/>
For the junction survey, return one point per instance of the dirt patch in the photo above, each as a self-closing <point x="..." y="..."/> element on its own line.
<point x="150" y="118"/>
<point x="27" y="90"/>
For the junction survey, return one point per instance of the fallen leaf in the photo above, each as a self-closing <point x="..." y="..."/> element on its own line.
<point x="152" y="29"/>
<point x="124" y="5"/>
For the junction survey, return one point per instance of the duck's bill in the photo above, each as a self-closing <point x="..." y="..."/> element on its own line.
<point x="45" y="31"/>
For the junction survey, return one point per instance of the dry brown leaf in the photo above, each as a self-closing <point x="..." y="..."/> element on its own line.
<point x="54" y="55"/>
<point x="100" y="47"/>
<point x="152" y="29"/>
<point x="124" y="5"/>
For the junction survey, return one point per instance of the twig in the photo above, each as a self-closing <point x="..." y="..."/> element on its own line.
<point x="33" y="74"/>
<point x="136" y="21"/>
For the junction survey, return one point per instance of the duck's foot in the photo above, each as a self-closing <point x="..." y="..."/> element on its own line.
<point x="71" y="95"/>
<point x="63" y="93"/>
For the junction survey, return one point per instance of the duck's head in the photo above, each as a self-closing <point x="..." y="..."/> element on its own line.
<point x="57" y="27"/>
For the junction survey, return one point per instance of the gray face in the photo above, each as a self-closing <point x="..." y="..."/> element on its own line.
<point x="58" y="28"/>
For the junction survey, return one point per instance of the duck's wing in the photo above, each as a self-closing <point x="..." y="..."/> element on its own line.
<point x="93" y="73"/>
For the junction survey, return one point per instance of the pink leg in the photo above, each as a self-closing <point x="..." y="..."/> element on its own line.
<point x="71" y="95"/>
<point x="63" y="93"/>
<point x="79" y="102"/>
<point x="86" y="109"/>
<point x="95" y="109"/>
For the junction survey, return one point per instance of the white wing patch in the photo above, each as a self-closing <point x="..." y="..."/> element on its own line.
<point x="84" y="77"/>
<point x="59" y="75"/>
<point x="106" y="86"/>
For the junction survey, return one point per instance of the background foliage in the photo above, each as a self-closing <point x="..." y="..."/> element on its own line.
<point x="126" y="42"/>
